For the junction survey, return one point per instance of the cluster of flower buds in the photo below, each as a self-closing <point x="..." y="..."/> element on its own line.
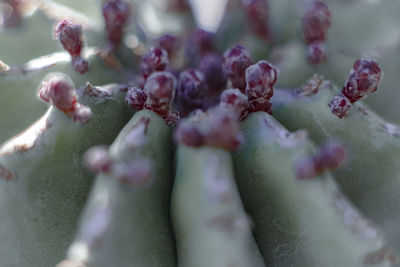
<point x="216" y="128"/>
<point x="157" y="95"/>
<point x="316" y="22"/>
<point x="363" y="80"/>
<point x="70" y="36"/>
<point x="59" y="90"/>
<point x="201" y="56"/>
<point x="198" y="88"/>
<point x="201" y="89"/>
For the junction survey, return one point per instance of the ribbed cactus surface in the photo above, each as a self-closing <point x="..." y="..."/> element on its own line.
<point x="199" y="133"/>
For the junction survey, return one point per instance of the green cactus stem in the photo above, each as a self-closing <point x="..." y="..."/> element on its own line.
<point x="21" y="89"/>
<point x="370" y="179"/>
<point x="125" y="225"/>
<point x="299" y="222"/>
<point x="218" y="232"/>
<point x="36" y="57"/>
<point x="45" y="185"/>
<point x="35" y="33"/>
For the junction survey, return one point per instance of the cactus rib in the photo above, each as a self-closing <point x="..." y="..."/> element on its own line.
<point x="41" y="204"/>
<point x="126" y="225"/>
<point x="298" y="222"/>
<point x="219" y="233"/>
<point x="371" y="177"/>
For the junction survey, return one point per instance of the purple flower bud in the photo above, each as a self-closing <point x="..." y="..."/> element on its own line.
<point x="236" y="61"/>
<point x="169" y="43"/>
<point x="160" y="89"/>
<point x="340" y="105"/>
<point x="191" y="90"/>
<point x="70" y="36"/>
<point x="59" y="90"/>
<point x="316" y="22"/>
<point x="116" y="15"/>
<point x="156" y="59"/>
<point x="202" y="41"/>
<point x="260" y="79"/>
<point x="199" y="43"/>
<point x="235" y="101"/>
<point x="211" y="65"/>
<point x="257" y="13"/>
<point x="363" y="79"/>
<point x="135" y="98"/>
<point x="171" y="117"/>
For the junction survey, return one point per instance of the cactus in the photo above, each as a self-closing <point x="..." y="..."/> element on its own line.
<point x="137" y="216"/>
<point x="40" y="200"/>
<point x="219" y="234"/>
<point x="178" y="135"/>
<point x="362" y="180"/>
<point x="311" y="215"/>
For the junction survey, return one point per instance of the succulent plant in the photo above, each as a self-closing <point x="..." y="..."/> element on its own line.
<point x="181" y="133"/>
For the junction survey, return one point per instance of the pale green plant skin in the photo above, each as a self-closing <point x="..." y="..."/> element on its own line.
<point x="36" y="31"/>
<point x="46" y="189"/>
<point x="371" y="177"/>
<point x="138" y="232"/>
<point x="41" y="203"/>
<point x="218" y="233"/>
<point x="19" y="90"/>
<point x="297" y="222"/>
